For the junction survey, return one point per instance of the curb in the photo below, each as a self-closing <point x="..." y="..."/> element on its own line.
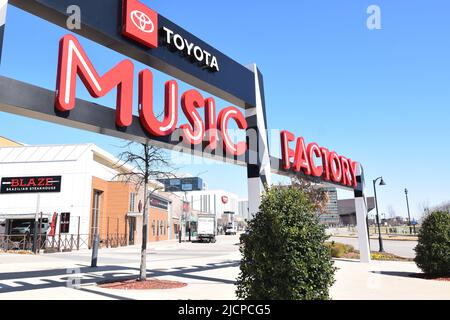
<point x="373" y="238"/>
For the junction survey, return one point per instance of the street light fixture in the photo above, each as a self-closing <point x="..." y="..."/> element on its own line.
<point x="382" y="183"/>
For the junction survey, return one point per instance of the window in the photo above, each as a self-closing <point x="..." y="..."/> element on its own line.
<point x="153" y="227"/>
<point x="64" y="225"/>
<point x="132" y="202"/>
<point x="96" y="211"/>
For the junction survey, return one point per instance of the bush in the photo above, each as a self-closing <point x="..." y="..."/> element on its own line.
<point x="433" y="250"/>
<point x="338" y="250"/>
<point x="284" y="255"/>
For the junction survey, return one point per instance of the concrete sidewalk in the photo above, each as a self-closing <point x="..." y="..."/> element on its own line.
<point x="209" y="270"/>
<point x="385" y="280"/>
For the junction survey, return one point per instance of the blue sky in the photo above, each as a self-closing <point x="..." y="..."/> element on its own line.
<point x="380" y="97"/>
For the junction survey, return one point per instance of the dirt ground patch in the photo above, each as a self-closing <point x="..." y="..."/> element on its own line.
<point x="152" y="284"/>
<point x="427" y="277"/>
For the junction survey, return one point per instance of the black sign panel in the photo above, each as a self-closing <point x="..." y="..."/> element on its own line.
<point x="183" y="184"/>
<point x="31" y="184"/>
<point x="158" y="203"/>
<point x="101" y="21"/>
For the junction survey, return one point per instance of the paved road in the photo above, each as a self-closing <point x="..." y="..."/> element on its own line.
<point x="209" y="270"/>
<point x="400" y="248"/>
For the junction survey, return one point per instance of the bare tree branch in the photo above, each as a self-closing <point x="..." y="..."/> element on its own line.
<point x="318" y="196"/>
<point x="142" y="163"/>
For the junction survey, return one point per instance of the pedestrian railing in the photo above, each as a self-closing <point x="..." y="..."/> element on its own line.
<point x="65" y="242"/>
<point x="15" y="242"/>
<point x="60" y="242"/>
<point x="114" y="241"/>
<point x="57" y="243"/>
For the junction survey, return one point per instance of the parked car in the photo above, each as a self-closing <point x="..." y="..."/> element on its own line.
<point x="27" y="228"/>
<point x="231" y="231"/>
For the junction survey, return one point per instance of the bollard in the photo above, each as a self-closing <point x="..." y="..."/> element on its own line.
<point x="95" y="251"/>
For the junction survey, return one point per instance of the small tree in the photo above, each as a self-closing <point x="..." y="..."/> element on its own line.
<point x="315" y="193"/>
<point x="284" y="256"/>
<point x="433" y="250"/>
<point x="149" y="163"/>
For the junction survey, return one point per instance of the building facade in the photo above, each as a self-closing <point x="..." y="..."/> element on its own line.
<point x="331" y="215"/>
<point x="5" y="142"/>
<point x="223" y="204"/>
<point x="243" y="209"/>
<point x="90" y="196"/>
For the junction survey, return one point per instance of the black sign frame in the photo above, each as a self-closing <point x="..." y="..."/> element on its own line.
<point x="34" y="184"/>
<point x="234" y="82"/>
<point x="159" y="203"/>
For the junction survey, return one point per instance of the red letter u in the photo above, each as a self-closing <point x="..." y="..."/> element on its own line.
<point x="146" y="114"/>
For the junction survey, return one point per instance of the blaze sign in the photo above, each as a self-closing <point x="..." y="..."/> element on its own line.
<point x="31" y="184"/>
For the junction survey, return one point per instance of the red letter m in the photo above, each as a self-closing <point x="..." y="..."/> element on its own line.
<point x="73" y="61"/>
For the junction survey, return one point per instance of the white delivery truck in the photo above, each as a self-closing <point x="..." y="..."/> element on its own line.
<point x="231" y="229"/>
<point x="206" y="228"/>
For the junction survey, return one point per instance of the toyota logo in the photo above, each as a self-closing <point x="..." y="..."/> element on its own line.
<point x="142" y="21"/>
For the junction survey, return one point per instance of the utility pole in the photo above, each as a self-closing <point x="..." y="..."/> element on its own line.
<point x="36" y="223"/>
<point x="409" y="215"/>
<point x="96" y="238"/>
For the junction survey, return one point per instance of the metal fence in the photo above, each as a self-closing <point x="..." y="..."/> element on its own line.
<point x="60" y="242"/>
<point x="400" y="230"/>
<point x="63" y="242"/>
<point x="15" y="242"/>
<point x="57" y="243"/>
<point x="114" y="241"/>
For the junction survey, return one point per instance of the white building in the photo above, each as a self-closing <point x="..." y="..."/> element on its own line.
<point x="223" y="204"/>
<point x="83" y="188"/>
<point x="76" y="164"/>
<point x="243" y="209"/>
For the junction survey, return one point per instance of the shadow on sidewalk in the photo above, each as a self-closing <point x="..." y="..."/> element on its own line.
<point x="398" y="274"/>
<point x="102" y="274"/>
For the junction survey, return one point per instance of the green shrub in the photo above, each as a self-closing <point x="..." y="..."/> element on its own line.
<point x="433" y="250"/>
<point x="284" y="255"/>
<point x="339" y="250"/>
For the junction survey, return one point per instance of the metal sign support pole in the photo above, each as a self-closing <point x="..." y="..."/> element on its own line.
<point x="3" y="6"/>
<point x="361" y="217"/>
<point x="258" y="163"/>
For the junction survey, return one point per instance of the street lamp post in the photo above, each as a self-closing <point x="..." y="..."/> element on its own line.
<point x="382" y="183"/>
<point x="409" y="215"/>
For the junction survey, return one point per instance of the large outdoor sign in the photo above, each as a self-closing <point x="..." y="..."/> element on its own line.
<point x="141" y="33"/>
<point x="333" y="167"/>
<point x="73" y="62"/>
<point x="31" y="184"/>
<point x="142" y="24"/>
<point x="133" y="29"/>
